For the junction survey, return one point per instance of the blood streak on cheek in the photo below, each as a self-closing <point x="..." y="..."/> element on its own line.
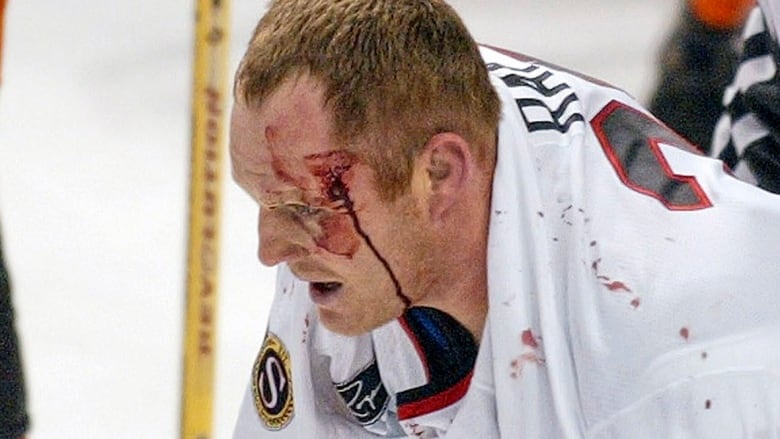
<point x="332" y="170"/>
<point x="337" y="236"/>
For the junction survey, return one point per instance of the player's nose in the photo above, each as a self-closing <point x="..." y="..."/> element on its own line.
<point x="282" y="239"/>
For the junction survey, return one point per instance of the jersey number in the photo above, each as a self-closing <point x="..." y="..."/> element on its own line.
<point x="631" y="141"/>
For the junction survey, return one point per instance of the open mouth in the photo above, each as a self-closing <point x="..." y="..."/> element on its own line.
<point x="322" y="291"/>
<point x="326" y="287"/>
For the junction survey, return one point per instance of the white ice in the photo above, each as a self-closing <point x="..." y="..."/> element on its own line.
<point x="94" y="165"/>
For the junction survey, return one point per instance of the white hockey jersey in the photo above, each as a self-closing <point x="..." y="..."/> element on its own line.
<point x="634" y="292"/>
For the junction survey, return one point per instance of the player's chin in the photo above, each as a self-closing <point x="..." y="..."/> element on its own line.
<point x="350" y="324"/>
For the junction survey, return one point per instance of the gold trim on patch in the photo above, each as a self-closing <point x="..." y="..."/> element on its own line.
<point x="272" y="384"/>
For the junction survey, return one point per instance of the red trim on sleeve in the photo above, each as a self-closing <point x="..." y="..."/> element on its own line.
<point x="437" y="401"/>
<point x="417" y="347"/>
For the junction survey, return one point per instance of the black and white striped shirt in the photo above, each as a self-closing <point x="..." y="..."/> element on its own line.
<point x="744" y="137"/>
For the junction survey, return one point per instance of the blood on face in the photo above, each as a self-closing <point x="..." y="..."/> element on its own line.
<point x="338" y="227"/>
<point x="332" y="169"/>
<point x="336" y="232"/>
<point x="332" y="230"/>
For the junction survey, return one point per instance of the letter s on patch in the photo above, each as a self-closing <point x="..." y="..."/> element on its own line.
<point x="272" y="384"/>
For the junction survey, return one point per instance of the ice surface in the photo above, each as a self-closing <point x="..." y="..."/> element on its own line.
<point x="94" y="163"/>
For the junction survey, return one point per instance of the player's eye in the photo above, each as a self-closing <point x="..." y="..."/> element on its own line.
<point x="297" y="209"/>
<point x="304" y="210"/>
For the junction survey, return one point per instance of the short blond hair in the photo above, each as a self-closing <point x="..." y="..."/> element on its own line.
<point x="395" y="73"/>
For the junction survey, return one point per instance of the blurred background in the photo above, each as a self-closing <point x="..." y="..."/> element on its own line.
<point x="94" y="171"/>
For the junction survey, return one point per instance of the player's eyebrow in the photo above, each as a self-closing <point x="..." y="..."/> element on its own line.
<point x="239" y="172"/>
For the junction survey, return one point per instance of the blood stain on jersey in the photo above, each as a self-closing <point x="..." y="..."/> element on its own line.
<point x="685" y="333"/>
<point x="414" y="429"/>
<point x="617" y="286"/>
<point x="528" y="339"/>
<point x="305" y="332"/>
<point x="612" y="285"/>
<point x="585" y="219"/>
<point x="518" y="364"/>
<point x="635" y="303"/>
<point x="564" y="214"/>
<point x="272" y="384"/>
<point x="707" y="404"/>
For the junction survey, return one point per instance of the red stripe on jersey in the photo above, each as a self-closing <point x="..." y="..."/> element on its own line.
<point x="435" y="402"/>
<point x="417" y="347"/>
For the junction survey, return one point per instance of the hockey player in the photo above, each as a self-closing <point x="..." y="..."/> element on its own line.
<point x="13" y="412"/>
<point x="475" y="244"/>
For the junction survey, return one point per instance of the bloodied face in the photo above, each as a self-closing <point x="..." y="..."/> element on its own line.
<point x="320" y="211"/>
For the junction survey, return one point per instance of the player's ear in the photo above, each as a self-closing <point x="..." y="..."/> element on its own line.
<point x="442" y="172"/>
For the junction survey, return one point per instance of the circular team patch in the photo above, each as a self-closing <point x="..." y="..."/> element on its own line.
<point x="272" y="385"/>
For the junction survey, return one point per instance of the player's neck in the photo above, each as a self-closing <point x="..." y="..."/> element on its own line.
<point x="459" y="288"/>
<point x="459" y="258"/>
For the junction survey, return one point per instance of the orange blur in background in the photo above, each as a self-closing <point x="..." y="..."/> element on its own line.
<point x="722" y="14"/>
